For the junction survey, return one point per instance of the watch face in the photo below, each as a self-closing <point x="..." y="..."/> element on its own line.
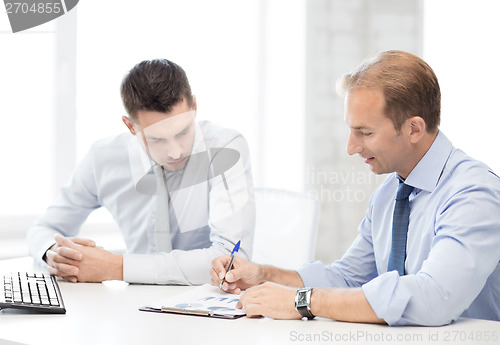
<point x="301" y="300"/>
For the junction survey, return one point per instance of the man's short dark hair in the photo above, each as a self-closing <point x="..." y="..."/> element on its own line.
<point x="155" y="85"/>
<point x="409" y="85"/>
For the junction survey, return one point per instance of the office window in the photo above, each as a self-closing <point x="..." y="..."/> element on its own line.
<point x="27" y="106"/>
<point x="461" y="44"/>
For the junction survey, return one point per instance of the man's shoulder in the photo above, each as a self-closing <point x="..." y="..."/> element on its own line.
<point x="111" y="150"/>
<point x="465" y="178"/>
<point x="117" y="141"/>
<point x="464" y="169"/>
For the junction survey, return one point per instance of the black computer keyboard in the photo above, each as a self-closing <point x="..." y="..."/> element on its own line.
<point x="31" y="291"/>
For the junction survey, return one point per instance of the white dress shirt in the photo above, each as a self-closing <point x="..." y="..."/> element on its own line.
<point x="206" y="218"/>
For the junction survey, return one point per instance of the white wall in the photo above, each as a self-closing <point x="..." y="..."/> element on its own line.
<point x="464" y="51"/>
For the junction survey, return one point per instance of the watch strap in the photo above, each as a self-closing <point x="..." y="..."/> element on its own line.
<point x="305" y="312"/>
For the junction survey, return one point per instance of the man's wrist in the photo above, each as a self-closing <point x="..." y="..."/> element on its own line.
<point x="118" y="270"/>
<point x="315" y="296"/>
<point x="267" y="274"/>
<point x="280" y="276"/>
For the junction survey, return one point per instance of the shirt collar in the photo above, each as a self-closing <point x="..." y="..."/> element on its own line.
<point x="427" y="172"/>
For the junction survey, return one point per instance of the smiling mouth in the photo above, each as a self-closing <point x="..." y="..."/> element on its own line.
<point x="369" y="160"/>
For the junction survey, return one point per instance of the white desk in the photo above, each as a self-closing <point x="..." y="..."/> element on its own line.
<point x="108" y="314"/>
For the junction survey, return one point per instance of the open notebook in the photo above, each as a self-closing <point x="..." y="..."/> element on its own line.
<point x="204" y="300"/>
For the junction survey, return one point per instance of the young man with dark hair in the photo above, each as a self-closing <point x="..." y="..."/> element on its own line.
<point x="180" y="191"/>
<point x="427" y="250"/>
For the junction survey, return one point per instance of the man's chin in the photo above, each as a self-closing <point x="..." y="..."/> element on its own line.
<point x="172" y="168"/>
<point x="376" y="170"/>
<point x="379" y="171"/>
<point x="175" y="166"/>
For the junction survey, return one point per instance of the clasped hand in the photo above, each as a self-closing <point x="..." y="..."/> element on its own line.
<point x="79" y="259"/>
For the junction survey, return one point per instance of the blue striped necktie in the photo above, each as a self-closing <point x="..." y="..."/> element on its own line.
<point x="400" y="229"/>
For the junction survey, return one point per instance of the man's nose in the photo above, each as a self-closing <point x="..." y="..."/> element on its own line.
<point x="353" y="145"/>
<point x="175" y="151"/>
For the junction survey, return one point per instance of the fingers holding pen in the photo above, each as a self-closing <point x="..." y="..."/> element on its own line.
<point x="243" y="274"/>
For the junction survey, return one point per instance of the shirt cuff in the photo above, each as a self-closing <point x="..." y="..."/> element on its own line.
<point x="43" y="248"/>
<point x="387" y="297"/>
<point x="139" y="268"/>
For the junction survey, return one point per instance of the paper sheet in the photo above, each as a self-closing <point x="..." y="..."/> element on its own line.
<point x="204" y="300"/>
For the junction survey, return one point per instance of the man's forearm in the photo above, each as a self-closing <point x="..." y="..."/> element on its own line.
<point x="343" y="305"/>
<point x="280" y="276"/>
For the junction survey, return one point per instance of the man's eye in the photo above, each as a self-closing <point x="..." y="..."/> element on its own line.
<point x="367" y="134"/>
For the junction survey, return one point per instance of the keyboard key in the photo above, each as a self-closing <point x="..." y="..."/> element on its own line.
<point x="26" y="297"/>
<point x="17" y="297"/>
<point x="54" y="301"/>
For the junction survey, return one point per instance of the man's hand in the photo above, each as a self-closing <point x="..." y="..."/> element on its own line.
<point x="61" y="259"/>
<point x="244" y="274"/>
<point x="270" y="300"/>
<point x="81" y="261"/>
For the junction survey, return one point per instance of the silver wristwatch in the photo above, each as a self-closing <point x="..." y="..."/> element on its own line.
<point x="303" y="302"/>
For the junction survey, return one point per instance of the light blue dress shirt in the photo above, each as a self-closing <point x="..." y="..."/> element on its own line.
<point x="453" y="245"/>
<point x="206" y="218"/>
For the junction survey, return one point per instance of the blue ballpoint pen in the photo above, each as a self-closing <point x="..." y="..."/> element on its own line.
<point x="235" y="249"/>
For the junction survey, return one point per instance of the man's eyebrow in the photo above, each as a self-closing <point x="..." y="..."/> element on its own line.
<point x="360" y="128"/>
<point x="152" y="137"/>
<point x="185" y="129"/>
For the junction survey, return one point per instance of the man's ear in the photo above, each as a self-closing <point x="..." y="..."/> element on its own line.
<point x="417" y="128"/>
<point x="195" y="106"/>
<point x="129" y="124"/>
